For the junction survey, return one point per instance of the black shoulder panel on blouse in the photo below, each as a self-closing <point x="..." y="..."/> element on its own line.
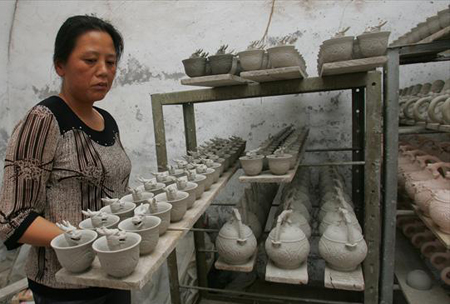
<point x="68" y="120"/>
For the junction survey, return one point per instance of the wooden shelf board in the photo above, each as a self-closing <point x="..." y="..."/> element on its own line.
<point x="353" y="280"/>
<point x="222" y="80"/>
<point x="297" y="276"/>
<point x="267" y="177"/>
<point x="442" y="34"/>
<point x="275" y="74"/>
<point x="148" y="264"/>
<point x="247" y="267"/>
<point x="406" y="261"/>
<point x="352" y="66"/>
<point x="441" y="236"/>
<point x="438" y="127"/>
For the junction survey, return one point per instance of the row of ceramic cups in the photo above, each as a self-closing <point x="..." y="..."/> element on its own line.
<point x="426" y="181"/>
<point x="425" y="29"/>
<point x="425" y="241"/>
<point x="280" y="161"/>
<point x="426" y="102"/>
<point x="153" y="213"/>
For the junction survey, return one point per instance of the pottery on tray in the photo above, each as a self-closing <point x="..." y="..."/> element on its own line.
<point x="279" y="164"/>
<point x="122" y="262"/>
<point x="191" y="189"/>
<point x="283" y="56"/>
<point x="287" y="246"/>
<point x="125" y="213"/>
<point x="75" y="258"/>
<point x="145" y="196"/>
<point x="195" y="67"/>
<point x="252" y="165"/>
<point x="373" y="44"/>
<point x="236" y="242"/>
<point x="147" y="227"/>
<point x="221" y="64"/>
<point x="178" y="202"/>
<point x="440" y="210"/>
<point x="251" y="60"/>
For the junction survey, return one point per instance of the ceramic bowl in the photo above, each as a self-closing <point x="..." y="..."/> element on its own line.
<point x="149" y="232"/>
<point x="111" y="222"/>
<point x="251" y="60"/>
<point x="279" y="165"/>
<point x="200" y="180"/>
<point x="283" y="56"/>
<point x="163" y="212"/>
<point x="118" y="263"/>
<point x="128" y="211"/>
<point x="191" y="189"/>
<point x="444" y="18"/>
<point x="252" y="166"/>
<point x="156" y="190"/>
<point x="433" y="24"/>
<point x="337" y="49"/>
<point x="373" y="44"/>
<point x="179" y="205"/>
<point x="75" y="258"/>
<point x="195" y="67"/>
<point x="221" y="64"/>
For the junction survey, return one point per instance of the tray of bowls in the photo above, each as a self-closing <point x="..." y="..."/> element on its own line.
<point x="277" y="159"/>
<point x="343" y="54"/>
<point x="123" y="243"/>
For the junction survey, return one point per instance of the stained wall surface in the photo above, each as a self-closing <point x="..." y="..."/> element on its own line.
<point x="159" y="34"/>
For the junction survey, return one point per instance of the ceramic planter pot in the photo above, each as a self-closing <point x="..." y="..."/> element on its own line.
<point x="251" y="60"/>
<point x="440" y="210"/>
<point x="148" y="229"/>
<point x="221" y="64"/>
<point x="342" y="246"/>
<point x="218" y="170"/>
<point x="252" y="165"/>
<point x="200" y="180"/>
<point x="287" y="246"/>
<point x="373" y="44"/>
<point x="209" y="177"/>
<point x="111" y="222"/>
<point x="191" y="189"/>
<point x="195" y="67"/>
<point x="118" y="263"/>
<point x="283" y="56"/>
<point x="125" y="213"/>
<point x="279" y="164"/>
<point x="337" y="49"/>
<point x="179" y="204"/>
<point x="444" y="18"/>
<point x="75" y="258"/>
<point x="144" y="198"/>
<point x="236" y="243"/>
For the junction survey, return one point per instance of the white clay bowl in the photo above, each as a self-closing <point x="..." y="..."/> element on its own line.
<point x="149" y="231"/>
<point x="110" y="223"/>
<point x="337" y="49"/>
<point x="156" y="190"/>
<point x="76" y="258"/>
<point x="191" y="189"/>
<point x="251" y="60"/>
<point x="145" y="197"/>
<point x="163" y="212"/>
<point x="118" y="263"/>
<point x="179" y="205"/>
<point x="373" y="44"/>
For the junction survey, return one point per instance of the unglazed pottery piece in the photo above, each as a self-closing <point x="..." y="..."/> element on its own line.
<point x="440" y="260"/>
<point x="287" y="246"/>
<point x="74" y="248"/>
<point x="178" y="200"/>
<point x="420" y="238"/>
<point x="279" y="162"/>
<point x="137" y="196"/>
<point x="333" y="218"/>
<point x="445" y="109"/>
<point x="419" y="279"/>
<point x="435" y="108"/>
<point x="221" y="64"/>
<point x="373" y="44"/>
<point x="208" y="172"/>
<point x="431" y="247"/>
<point x="235" y="243"/>
<point x="98" y="219"/>
<point x="433" y="24"/>
<point x="190" y="188"/>
<point x="199" y="179"/>
<point x="251" y="60"/>
<point x="147" y="227"/>
<point x="337" y="49"/>
<point x="195" y="67"/>
<point x="117" y="251"/>
<point x="440" y="210"/>
<point x="342" y="246"/>
<point x="252" y="164"/>
<point x="283" y="56"/>
<point x="117" y="207"/>
<point x="158" y="209"/>
<point x="444" y="18"/>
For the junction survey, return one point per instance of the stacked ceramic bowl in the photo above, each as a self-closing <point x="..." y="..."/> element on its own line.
<point x="425" y="29"/>
<point x="426" y="103"/>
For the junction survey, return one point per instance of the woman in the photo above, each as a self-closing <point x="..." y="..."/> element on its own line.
<point x="63" y="157"/>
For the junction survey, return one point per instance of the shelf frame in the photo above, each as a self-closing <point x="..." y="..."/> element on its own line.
<point x="367" y="99"/>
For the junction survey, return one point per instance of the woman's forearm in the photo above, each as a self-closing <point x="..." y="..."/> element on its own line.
<point x="40" y="233"/>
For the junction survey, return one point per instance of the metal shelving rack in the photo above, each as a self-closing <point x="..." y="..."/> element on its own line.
<point x="398" y="55"/>
<point x="366" y="151"/>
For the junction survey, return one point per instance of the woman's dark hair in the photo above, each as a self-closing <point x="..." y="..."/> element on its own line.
<point x="76" y="26"/>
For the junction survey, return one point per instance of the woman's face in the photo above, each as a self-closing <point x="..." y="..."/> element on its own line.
<point x="90" y="69"/>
